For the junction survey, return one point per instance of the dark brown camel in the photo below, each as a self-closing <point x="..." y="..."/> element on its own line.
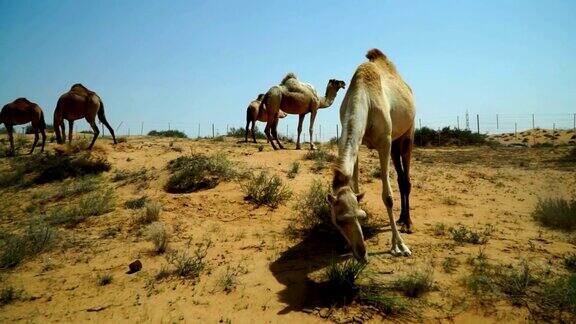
<point x="75" y="104"/>
<point x="22" y="111"/>
<point x="253" y="114"/>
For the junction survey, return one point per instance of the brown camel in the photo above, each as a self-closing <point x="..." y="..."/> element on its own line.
<point x="295" y="97"/>
<point x="22" y="111"/>
<point x="75" y="104"/>
<point x="253" y="114"/>
<point x="378" y="110"/>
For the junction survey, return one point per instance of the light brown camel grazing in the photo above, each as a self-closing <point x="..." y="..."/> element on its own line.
<point x="253" y="114"/>
<point x="22" y="111"/>
<point x="378" y="110"/>
<point x="295" y="97"/>
<point x="75" y="104"/>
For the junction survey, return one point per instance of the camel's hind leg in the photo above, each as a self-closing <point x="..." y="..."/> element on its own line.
<point x="300" y="122"/>
<point x="71" y="130"/>
<point x="36" y="137"/>
<point x="267" y="131"/>
<point x="10" y="131"/>
<point x="254" y="131"/>
<point x="398" y="246"/>
<point x="312" y="118"/>
<point x="103" y="120"/>
<point x="43" y="132"/>
<point x="406" y="155"/>
<point x="247" y="130"/>
<point x="96" y="132"/>
<point x="275" y="132"/>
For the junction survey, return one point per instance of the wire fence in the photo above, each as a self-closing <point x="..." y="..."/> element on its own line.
<point x="481" y="123"/>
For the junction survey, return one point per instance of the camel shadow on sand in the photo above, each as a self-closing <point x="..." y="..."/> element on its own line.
<point x="316" y="251"/>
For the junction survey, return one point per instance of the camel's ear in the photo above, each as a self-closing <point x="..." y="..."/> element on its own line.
<point x="360" y="196"/>
<point x="330" y="199"/>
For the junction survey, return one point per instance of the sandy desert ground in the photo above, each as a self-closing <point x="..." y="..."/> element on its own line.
<point x="257" y="272"/>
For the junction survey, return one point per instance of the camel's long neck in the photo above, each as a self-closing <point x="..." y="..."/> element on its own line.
<point x="328" y="98"/>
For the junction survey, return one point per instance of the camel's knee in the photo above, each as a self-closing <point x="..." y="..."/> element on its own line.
<point x="407" y="186"/>
<point x="388" y="201"/>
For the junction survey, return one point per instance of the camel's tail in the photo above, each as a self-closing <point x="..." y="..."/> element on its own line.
<point x="262" y="107"/>
<point x="42" y="121"/>
<point x="102" y="118"/>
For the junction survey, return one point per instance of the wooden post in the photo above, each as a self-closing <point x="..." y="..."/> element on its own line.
<point x="457" y="122"/>
<point x="168" y="126"/>
<point x="515" y="130"/>
<point x="212" y="130"/>
<point x="141" y="128"/>
<point x="128" y="132"/>
<point x="497" y="124"/>
<point x="533" y="122"/>
<point x="198" y="131"/>
<point x="420" y="123"/>
<point x="477" y="123"/>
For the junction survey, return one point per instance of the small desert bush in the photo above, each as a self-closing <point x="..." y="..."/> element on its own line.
<point x="189" y="265"/>
<point x="415" y="284"/>
<point x="8" y="294"/>
<point x="515" y="283"/>
<point x="229" y="279"/>
<point x="556" y="213"/>
<point x="319" y="155"/>
<point x="95" y="204"/>
<point x="450" y="264"/>
<point x="447" y="136"/>
<point x="151" y="213"/>
<point x="37" y="238"/>
<point x="167" y="133"/>
<point x="312" y="207"/>
<point x="263" y="189"/>
<point x="136" y="203"/>
<point x="440" y="229"/>
<point x="294" y="169"/>
<point x="104" y="279"/>
<point x="139" y="177"/>
<point x="556" y="299"/>
<point x="158" y="236"/>
<point x="71" y="188"/>
<point x="197" y="172"/>
<point x="341" y="279"/>
<point x="241" y="133"/>
<point x="463" y="234"/>
<point x="570" y="261"/>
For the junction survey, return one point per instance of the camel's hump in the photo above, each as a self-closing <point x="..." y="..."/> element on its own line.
<point x="374" y="54"/>
<point x="288" y="76"/>
<point x="22" y="100"/>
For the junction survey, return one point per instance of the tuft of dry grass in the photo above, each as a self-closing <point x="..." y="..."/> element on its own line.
<point x="263" y="189"/>
<point x="198" y="172"/>
<point x="94" y="204"/>
<point x="556" y="213"/>
<point x="151" y="213"/>
<point x="158" y="235"/>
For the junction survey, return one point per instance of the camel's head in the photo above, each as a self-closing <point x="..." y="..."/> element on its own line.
<point x="281" y="114"/>
<point x="337" y="84"/>
<point x="345" y="208"/>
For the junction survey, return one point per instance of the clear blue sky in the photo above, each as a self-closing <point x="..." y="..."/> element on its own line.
<point x="190" y="62"/>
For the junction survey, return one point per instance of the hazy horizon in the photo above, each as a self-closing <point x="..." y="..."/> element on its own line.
<point x="200" y="62"/>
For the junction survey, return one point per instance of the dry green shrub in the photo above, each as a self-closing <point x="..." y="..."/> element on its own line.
<point x="294" y="169"/>
<point x="95" y="204"/>
<point x="158" y="236"/>
<point x="190" y="265"/>
<point x="415" y="284"/>
<point x="463" y="234"/>
<point x="262" y="189"/>
<point x="556" y="213"/>
<point x="37" y="238"/>
<point x="104" y="279"/>
<point x="136" y="203"/>
<point x="151" y="213"/>
<point x="198" y="172"/>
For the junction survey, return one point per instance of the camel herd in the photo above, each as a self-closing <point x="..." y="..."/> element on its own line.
<point x="377" y="110"/>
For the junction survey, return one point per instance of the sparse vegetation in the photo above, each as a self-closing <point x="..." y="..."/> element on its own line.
<point x="229" y="279"/>
<point x="139" y="177"/>
<point x="450" y="264"/>
<point x="94" y="204"/>
<point x="104" y="279"/>
<point x="556" y="213"/>
<point x="189" y="266"/>
<point x="151" y="213"/>
<point x="263" y="189"/>
<point x="463" y="234"/>
<point x="197" y="172"/>
<point x="294" y="169"/>
<point x="37" y="238"/>
<point x="167" y="133"/>
<point x="158" y="235"/>
<point x="136" y="203"/>
<point x="448" y="136"/>
<point x="415" y="284"/>
<point x="440" y="229"/>
<point x="8" y="294"/>
<point x="570" y="261"/>
<point x="71" y="188"/>
<point x="241" y="133"/>
<point x="341" y="278"/>
<point x="319" y="155"/>
<point x="312" y="207"/>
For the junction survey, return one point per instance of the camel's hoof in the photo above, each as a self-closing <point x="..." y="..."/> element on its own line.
<point x="298" y="148"/>
<point x="406" y="229"/>
<point x="400" y="249"/>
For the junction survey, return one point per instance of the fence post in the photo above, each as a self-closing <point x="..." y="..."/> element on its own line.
<point x="226" y="129"/>
<point x="458" y="122"/>
<point x="515" y="130"/>
<point x="574" y="125"/>
<point x="128" y="132"/>
<point x="478" y="123"/>
<point x="169" y="126"/>
<point x="212" y="130"/>
<point x="533" y="122"/>
<point x="141" y="128"/>
<point x="420" y="123"/>
<point x="497" y="123"/>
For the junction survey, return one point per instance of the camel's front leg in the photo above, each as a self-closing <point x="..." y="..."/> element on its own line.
<point x="300" y="122"/>
<point x="10" y="131"/>
<point x="312" y="118"/>
<point x="70" y="129"/>
<point x="398" y="246"/>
